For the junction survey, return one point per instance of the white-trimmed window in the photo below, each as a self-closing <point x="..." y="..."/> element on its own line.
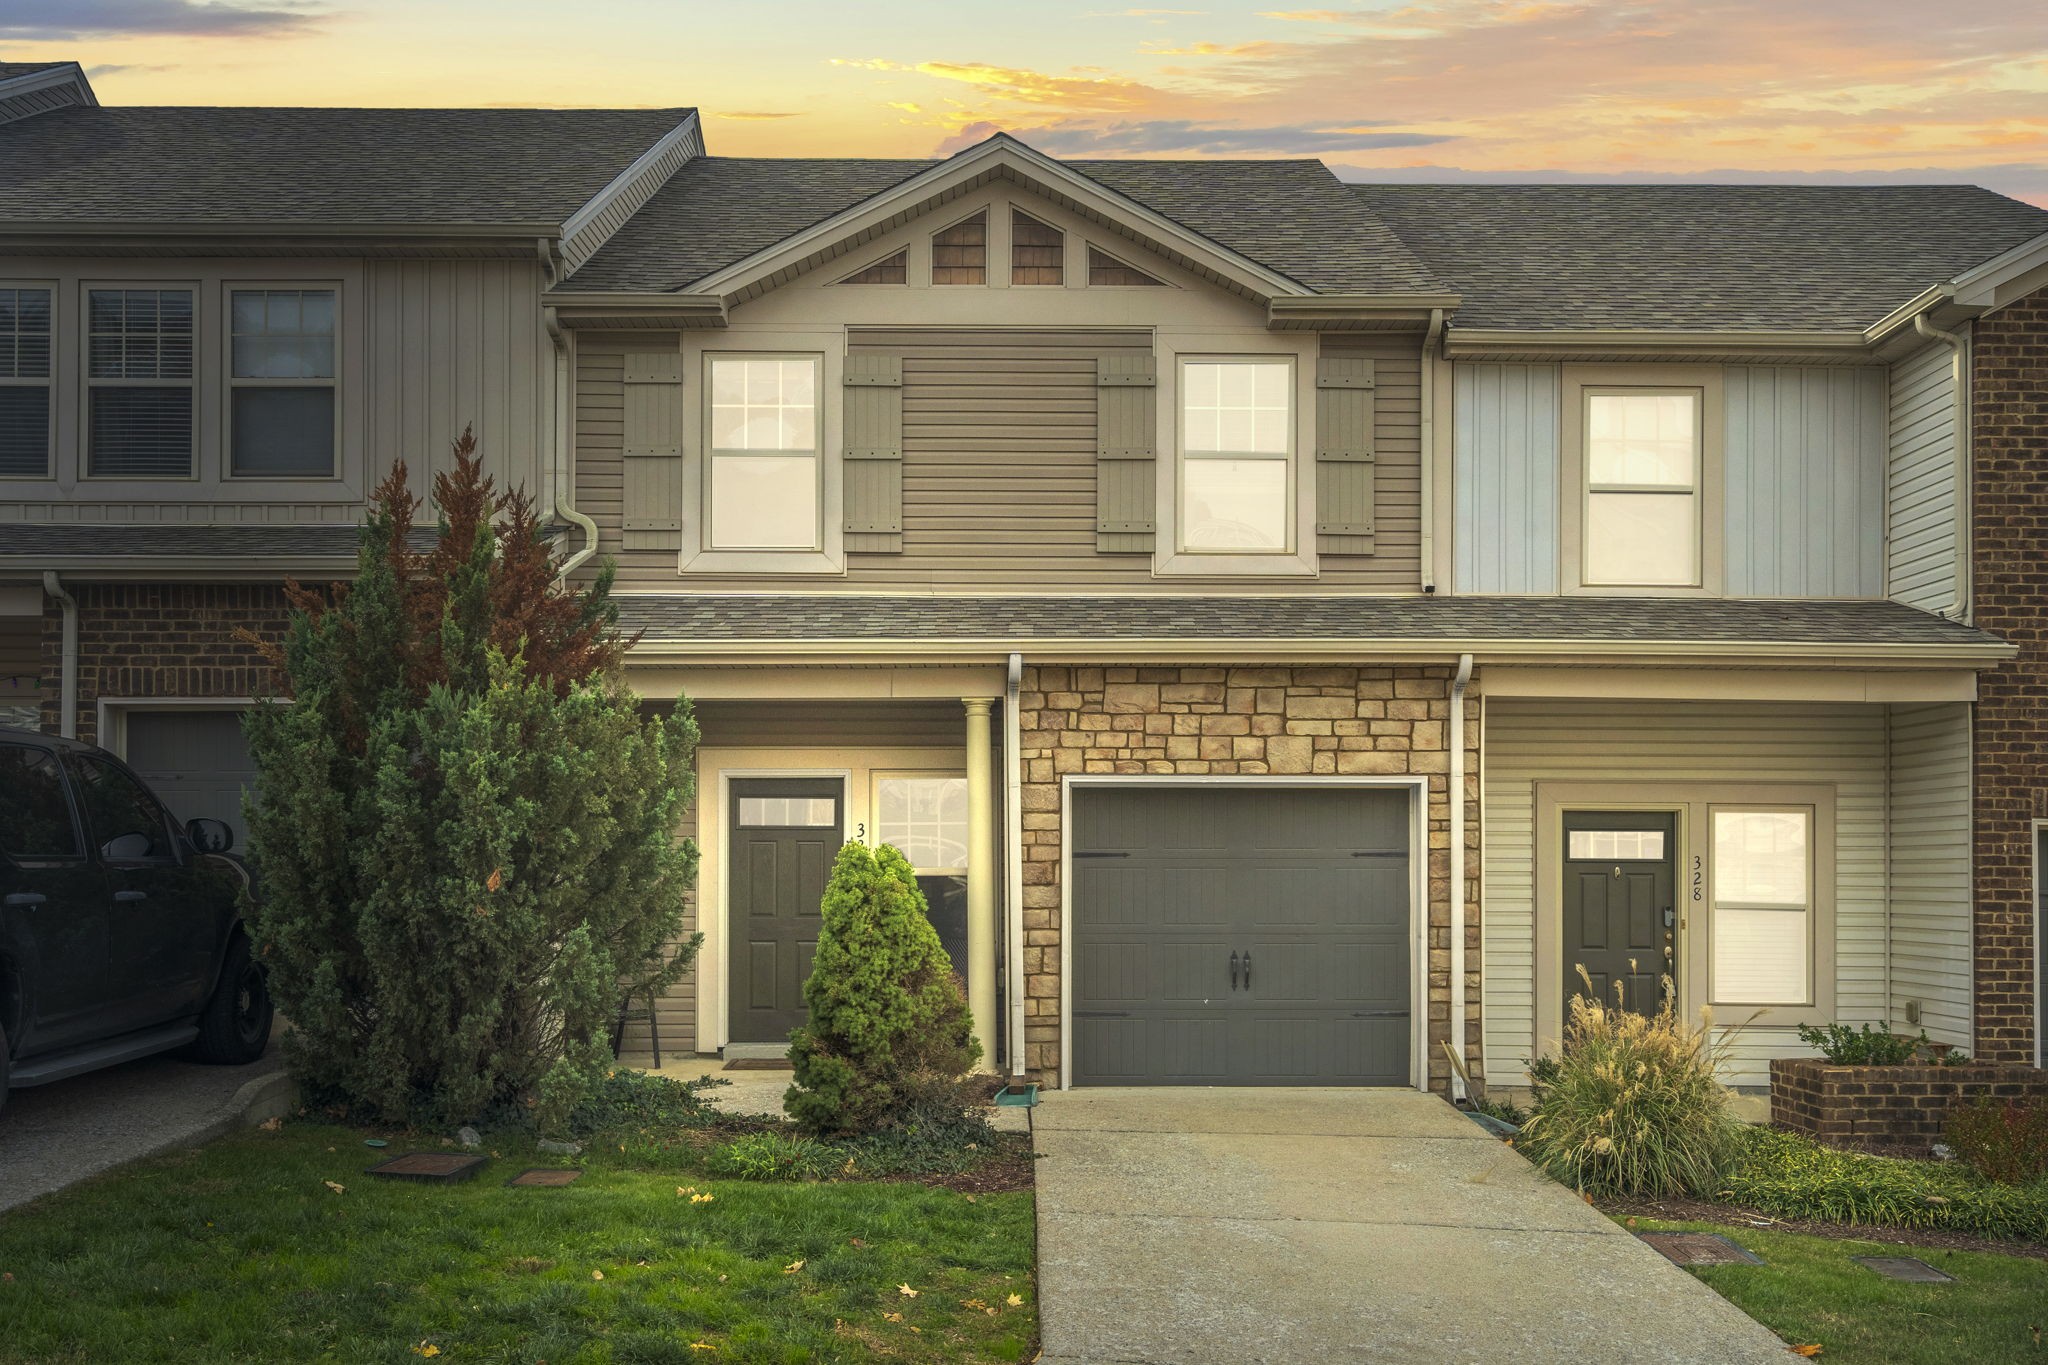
<point x="925" y="816"/>
<point x="1642" y="509"/>
<point x="25" y="333"/>
<point x="139" y="383"/>
<point x="1236" y="476"/>
<point x="765" y="473"/>
<point x="1762" y="889"/>
<point x="281" y="368"/>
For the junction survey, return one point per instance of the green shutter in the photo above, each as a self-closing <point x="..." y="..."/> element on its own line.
<point x="1126" y="457"/>
<point x="1344" y="455"/>
<point x="874" y="452"/>
<point x="653" y="449"/>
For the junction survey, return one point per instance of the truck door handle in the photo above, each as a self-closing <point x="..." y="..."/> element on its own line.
<point x="130" y="897"/>
<point x="1233" y="971"/>
<point x="25" y="900"/>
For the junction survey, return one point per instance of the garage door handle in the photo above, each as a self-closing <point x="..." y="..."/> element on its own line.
<point x="1233" y="971"/>
<point x="1247" y="969"/>
<point x="25" y="900"/>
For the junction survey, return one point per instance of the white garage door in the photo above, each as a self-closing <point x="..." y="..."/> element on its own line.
<point x="197" y="761"/>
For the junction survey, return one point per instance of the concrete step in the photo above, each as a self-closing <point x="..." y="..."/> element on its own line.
<point x="754" y="1052"/>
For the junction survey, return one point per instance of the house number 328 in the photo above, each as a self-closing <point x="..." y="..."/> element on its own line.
<point x="1697" y="878"/>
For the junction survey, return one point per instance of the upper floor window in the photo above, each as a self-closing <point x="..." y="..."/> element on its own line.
<point x="766" y="439"/>
<point x="139" y="383"/>
<point x="1642" y="508"/>
<point x="24" y="383"/>
<point x="281" y="382"/>
<point x="1037" y="251"/>
<point x="1237" y="448"/>
<point x="960" y="252"/>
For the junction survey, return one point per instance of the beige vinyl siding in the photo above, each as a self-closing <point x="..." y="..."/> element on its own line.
<point x="1931" y="869"/>
<point x="822" y="724"/>
<point x="1920" y="481"/>
<point x="675" y="1010"/>
<point x="1804" y="466"/>
<point x="999" y="468"/>
<point x="1723" y="742"/>
<point x="236" y="513"/>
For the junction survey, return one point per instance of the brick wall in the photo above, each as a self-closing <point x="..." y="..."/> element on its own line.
<point x="159" y="640"/>
<point x="2009" y="383"/>
<point x="1199" y="721"/>
<point x="1849" y="1105"/>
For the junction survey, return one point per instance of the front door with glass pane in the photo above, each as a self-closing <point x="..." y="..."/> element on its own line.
<point x="1619" y="921"/>
<point x="785" y="833"/>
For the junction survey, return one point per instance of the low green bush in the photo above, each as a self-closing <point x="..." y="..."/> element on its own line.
<point x="1787" y="1175"/>
<point x="1631" y="1105"/>
<point x="2001" y="1140"/>
<point x="634" y="1100"/>
<point x="1868" y="1046"/>
<point x="771" y="1155"/>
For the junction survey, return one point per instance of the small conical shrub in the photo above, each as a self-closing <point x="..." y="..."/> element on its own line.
<point x="889" y="1036"/>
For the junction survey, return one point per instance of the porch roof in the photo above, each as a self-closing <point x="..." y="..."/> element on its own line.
<point x="678" y="623"/>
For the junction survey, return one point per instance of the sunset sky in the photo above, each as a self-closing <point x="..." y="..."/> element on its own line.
<point x="1805" y="90"/>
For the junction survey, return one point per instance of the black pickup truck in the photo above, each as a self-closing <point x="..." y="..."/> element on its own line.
<point x="120" y="932"/>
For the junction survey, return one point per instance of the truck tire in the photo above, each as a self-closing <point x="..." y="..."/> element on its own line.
<point x="235" y="1027"/>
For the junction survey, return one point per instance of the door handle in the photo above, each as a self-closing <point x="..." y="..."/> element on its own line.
<point x="25" y="900"/>
<point x="130" y="897"/>
<point x="1247" y="969"/>
<point x="1233" y="971"/>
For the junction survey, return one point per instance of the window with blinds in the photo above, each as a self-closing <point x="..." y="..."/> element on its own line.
<point x="1037" y="251"/>
<point x="24" y="383"/>
<point x="960" y="252"/>
<point x="281" y="383"/>
<point x="139" y="383"/>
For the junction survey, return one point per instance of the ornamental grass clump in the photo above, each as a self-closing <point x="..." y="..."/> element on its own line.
<point x="1631" y="1104"/>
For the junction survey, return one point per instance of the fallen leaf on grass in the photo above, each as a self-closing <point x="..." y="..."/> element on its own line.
<point x="597" y="1274"/>
<point x="892" y="1317"/>
<point x="700" y="1198"/>
<point x="1016" y="1301"/>
<point x="792" y="1267"/>
<point x="702" y="1346"/>
<point x="906" y="1291"/>
<point x="1810" y="1349"/>
<point x="855" y="1242"/>
<point x="271" y="1125"/>
<point x="426" y="1348"/>
<point x="338" y="1189"/>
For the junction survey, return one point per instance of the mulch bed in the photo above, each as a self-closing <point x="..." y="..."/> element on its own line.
<point x="1732" y="1215"/>
<point x="1009" y="1168"/>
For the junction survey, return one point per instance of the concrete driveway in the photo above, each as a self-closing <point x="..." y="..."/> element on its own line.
<point x="55" y="1135"/>
<point x="1339" y="1225"/>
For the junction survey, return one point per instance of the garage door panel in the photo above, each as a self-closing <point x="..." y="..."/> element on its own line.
<point x="196" y="760"/>
<point x="1313" y="884"/>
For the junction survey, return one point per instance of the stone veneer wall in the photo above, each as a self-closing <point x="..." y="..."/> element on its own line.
<point x="160" y="640"/>
<point x="2009" y="394"/>
<point x="1237" y="719"/>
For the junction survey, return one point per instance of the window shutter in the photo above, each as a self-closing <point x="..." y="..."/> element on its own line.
<point x="874" y="452"/>
<point x="1345" y="461"/>
<point x="653" y="441"/>
<point x="1126" y="458"/>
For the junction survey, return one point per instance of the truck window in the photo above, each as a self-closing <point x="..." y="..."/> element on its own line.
<point x="35" y="819"/>
<point x="127" y="823"/>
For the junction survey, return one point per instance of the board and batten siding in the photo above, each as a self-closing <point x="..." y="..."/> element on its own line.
<point x="999" y="467"/>
<point x="1804" y="477"/>
<point x="1920" y="481"/>
<point x="1505" y="472"/>
<point x="1732" y="742"/>
<point x="1931" y="869"/>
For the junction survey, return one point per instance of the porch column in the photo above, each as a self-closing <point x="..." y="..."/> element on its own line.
<point x="981" y="880"/>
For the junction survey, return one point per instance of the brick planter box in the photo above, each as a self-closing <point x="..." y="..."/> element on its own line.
<point x="1888" y="1104"/>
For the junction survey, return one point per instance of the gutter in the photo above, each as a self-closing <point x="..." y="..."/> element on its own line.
<point x="67" y="687"/>
<point x="565" y="451"/>
<point x="1456" y="797"/>
<point x="1959" y="381"/>
<point x="1013" y="860"/>
<point x="1432" y="347"/>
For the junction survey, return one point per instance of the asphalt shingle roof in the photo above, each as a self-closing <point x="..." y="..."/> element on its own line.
<point x="1292" y="217"/>
<point x="56" y="540"/>
<point x="343" y="166"/>
<point x="1697" y="257"/>
<point x="732" y="618"/>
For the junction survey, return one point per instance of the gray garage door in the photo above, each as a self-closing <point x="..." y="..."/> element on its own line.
<point x="1241" y="936"/>
<point x="197" y="761"/>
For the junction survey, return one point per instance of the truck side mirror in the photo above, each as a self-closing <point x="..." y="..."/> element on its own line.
<point x="209" y="835"/>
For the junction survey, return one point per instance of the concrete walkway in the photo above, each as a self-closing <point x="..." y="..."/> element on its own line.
<point x="1339" y="1225"/>
<point x="56" y="1135"/>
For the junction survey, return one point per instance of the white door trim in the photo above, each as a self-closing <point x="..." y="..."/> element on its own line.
<point x="1417" y="788"/>
<point x="110" y="714"/>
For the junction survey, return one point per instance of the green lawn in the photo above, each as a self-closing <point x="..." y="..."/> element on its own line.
<point x="1809" y="1291"/>
<point x="244" y="1252"/>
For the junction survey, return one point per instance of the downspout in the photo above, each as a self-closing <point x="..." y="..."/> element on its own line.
<point x="1432" y="344"/>
<point x="67" y="686"/>
<point x="1013" y="860"/>
<point x="565" y="453"/>
<point x="1958" y="610"/>
<point x="1456" y="742"/>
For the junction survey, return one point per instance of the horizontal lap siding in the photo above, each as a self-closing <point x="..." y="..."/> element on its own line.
<point x="1528" y="742"/>
<point x="1931" y="900"/>
<point x="1920" y="482"/>
<point x="676" y="1009"/>
<point x="1395" y="565"/>
<point x="600" y="455"/>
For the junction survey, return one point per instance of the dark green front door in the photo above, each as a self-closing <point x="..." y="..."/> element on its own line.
<point x="1619" y="885"/>
<point x="785" y="833"/>
<point x="1241" y="936"/>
